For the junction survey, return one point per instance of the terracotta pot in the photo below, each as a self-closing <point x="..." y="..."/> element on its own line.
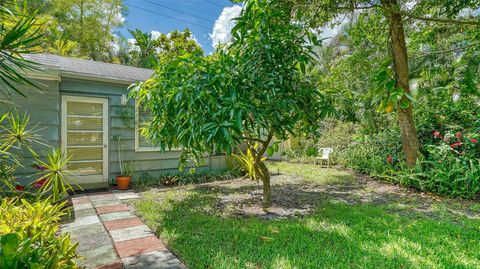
<point x="123" y="182"/>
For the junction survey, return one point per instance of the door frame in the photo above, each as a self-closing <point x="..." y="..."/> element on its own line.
<point x="98" y="100"/>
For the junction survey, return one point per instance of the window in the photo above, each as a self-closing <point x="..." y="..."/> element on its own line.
<point x="141" y="143"/>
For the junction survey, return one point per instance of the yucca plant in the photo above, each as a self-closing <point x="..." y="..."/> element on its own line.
<point x="54" y="179"/>
<point x="16" y="140"/>
<point x="16" y="134"/>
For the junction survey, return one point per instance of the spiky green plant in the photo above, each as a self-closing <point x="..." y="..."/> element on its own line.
<point x="247" y="163"/>
<point x="19" y="35"/>
<point x="55" y="180"/>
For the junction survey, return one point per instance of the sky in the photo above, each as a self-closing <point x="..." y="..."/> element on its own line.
<point x="200" y="16"/>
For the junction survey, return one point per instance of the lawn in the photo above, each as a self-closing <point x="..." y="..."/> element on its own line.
<point x="320" y="218"/>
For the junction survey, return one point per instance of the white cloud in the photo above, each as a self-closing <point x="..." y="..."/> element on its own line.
<point x="222" y="28"/>
<point x="194" y="38"/>
<point x="155" y="34"/>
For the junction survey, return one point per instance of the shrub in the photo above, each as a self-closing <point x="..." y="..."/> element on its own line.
<point x="16" y="141"/>
<point x="371" y="153"/>
<point x="449" y="167"/>
<point x="27" y="235"/>
<point x="28" y="227"/>
<point x="450" y="155"/>
<point x="146" y="181"/>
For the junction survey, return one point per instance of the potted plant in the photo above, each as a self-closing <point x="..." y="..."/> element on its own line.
<point x="126" y="172"/>
<point x="126" y="169"/>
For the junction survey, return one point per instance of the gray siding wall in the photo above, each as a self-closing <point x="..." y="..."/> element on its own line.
<point x="43" y="109"/>
<point x="152" y="162"/>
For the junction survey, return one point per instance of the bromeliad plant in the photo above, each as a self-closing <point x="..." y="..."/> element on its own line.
<point x="254" y="90"/>
<point x="247" y="163"/>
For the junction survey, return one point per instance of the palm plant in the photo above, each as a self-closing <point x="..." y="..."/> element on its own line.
<point x="63" y="47"/>
<point x="18" y="35"/>
<point x="146" y="47"/>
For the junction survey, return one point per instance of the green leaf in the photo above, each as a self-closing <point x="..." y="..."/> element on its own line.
<point x="409" y="96"/>
<point x="404" y="104"/>
<point x="275" y="147"/>
<point x="390" y="85"/>
<point x="311" y="151"/>
<point x="302" y="67"/>
<point x="269" y="151"/>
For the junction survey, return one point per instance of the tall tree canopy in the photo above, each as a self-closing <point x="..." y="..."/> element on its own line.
<point x="392" y="14"/>
<point x="147" y="51"/>
<point x="88" y="23"/>
<point x="76" y="28"/>
<point x="252" y="91"/>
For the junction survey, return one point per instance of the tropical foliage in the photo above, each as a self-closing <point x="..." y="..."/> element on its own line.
<point x="147" y="51"/>
<point x="29" y="215"/>
<point x="28" y="235"/>
<point x="18" y="34"/>
<point x="388" y="29"/>
<point x="358" y="72"/>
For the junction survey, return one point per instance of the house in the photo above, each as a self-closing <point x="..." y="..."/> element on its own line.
<point x="84" y="109"/>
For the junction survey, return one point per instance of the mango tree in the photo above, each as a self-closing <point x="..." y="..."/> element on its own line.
<point x="249" y="92"/>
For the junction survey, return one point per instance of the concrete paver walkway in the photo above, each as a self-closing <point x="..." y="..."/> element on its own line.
<point x="110" y="236"/>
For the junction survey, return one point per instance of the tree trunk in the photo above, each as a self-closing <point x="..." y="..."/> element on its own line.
<point x="265" y="176"/>
<point x="411" y="145"/>
<point x="261" y="169"/>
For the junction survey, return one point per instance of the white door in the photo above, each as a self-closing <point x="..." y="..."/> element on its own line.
<point x="85" y="137"/>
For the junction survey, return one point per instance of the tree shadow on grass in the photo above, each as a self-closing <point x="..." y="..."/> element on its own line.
<point x="292" y="197"/>
<point x="335" y="233"/>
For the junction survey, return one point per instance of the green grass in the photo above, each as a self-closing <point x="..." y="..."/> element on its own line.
<point x="311" y="173"/>
<point x="336" y="235"/>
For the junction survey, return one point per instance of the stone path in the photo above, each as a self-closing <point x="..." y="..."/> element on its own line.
<point x="110" y="236"/>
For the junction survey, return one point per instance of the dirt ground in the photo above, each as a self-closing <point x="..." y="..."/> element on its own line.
<point x="293" y="195"/>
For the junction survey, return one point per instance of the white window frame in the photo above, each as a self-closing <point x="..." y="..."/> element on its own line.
<point x="137" y="134"/>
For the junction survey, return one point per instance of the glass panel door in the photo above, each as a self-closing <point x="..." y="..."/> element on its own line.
<point x="84" y="137"/>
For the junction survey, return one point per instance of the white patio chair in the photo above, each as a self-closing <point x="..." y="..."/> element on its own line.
<point x="325" y="156"/>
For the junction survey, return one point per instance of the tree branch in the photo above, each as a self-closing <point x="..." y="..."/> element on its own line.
<point x="264" y="146"/>
<point x="358" y="7"/>
<point x="252" y="139"/>
<point x="447" y="21"/>
<point x="445" y="51"/>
